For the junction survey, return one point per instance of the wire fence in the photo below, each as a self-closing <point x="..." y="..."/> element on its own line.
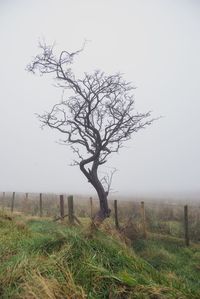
<point x="174" y="219"/>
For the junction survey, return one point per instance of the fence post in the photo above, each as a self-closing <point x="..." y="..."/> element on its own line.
<point x="91" y="208"/>
<point x="25" y="205"/>
<point x="70" y="209"/>
<point x="12" y="202"/>
<point x="116" y="215"/>
<point x="3" y="200"/>
<point x="187" y="241"/>
<point x="143" y="220"/>
<point x="62" y="211"/>
<point x="41" y="210"/>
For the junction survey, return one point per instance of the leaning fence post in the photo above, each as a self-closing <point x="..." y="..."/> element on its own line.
<point x="70" y="209"/>
<point x="62" y="211"/>
<point x="187" y="241"/>
<point x="12" y="202"/>
<point x="41" y="212"/>
<point x="116" y="214"/>
<point x="143" y="220"/>
<point x="91" y="208"/>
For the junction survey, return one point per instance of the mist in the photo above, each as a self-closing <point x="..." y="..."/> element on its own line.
<point x="155" y="44"/>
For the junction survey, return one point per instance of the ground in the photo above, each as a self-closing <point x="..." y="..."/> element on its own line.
<point x="42" y="259"/>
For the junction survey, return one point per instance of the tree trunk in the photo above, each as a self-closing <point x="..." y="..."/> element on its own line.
<point x="92" y="176"/>
<point x="104" y="210"/>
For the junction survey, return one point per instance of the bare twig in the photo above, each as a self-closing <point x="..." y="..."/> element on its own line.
<point x="95" y="119"/>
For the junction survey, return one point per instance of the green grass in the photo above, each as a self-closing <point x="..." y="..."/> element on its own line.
<point x="170" y="257"/>
<point x="44" y="259"/>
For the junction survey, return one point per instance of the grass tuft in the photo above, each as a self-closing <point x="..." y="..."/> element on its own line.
<point x="44" y="259"/>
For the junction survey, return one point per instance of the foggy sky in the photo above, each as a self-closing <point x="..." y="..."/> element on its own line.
<point x="155" y="44"/>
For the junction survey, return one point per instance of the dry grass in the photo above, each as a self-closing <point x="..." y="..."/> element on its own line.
<point x="40" y="287"/>
<point x="43" y="259"/>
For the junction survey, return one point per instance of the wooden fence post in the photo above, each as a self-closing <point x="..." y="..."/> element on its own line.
<point x="25" y="204"/>
<point x="70" y="209"/>
<point x="91" y="208"/>
<point x="62" y="211"/>
<point x="143" y="220"/>
<point x="116" y="214"/>
<point x="187" y="241"/>
<point x="12" y="202"/>
<point x="3" y="200"/>
<point x="41" y="207"/>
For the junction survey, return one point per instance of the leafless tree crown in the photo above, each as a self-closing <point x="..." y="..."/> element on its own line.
<point x="98" y="114"/>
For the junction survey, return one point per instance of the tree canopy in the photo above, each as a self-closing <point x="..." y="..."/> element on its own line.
<point x="96" y="116"/>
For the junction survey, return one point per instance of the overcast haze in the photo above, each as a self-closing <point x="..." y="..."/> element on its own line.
<point x="155" y="44"/>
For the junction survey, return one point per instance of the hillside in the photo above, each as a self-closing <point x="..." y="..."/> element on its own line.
<point x="43" y="259"/>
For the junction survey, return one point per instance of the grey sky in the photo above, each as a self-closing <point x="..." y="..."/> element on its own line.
<point x="155" y="44"/>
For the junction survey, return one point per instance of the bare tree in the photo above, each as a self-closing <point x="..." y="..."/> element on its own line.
<point x="95" y="119"/>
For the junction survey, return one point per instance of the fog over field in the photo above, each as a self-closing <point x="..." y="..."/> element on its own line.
<point x="155" y="44"/>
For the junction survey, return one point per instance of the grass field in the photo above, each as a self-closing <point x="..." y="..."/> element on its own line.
<point x="43" y="259"/>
